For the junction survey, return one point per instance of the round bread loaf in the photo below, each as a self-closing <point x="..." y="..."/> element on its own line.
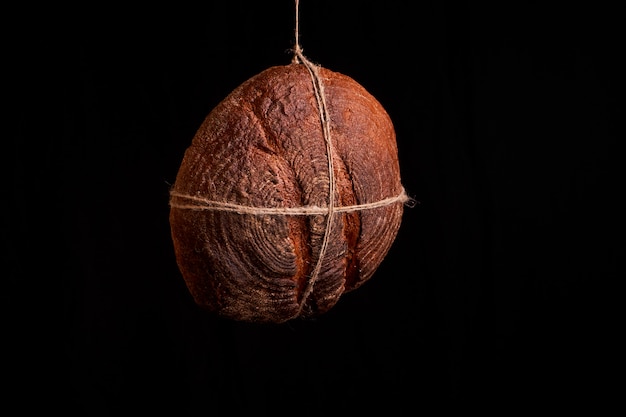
<point x="249" y="207"/>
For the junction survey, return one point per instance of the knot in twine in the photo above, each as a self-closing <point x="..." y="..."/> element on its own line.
<point x="200" y="203"/>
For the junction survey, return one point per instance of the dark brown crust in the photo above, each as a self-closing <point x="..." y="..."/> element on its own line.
<point x="263" y="146"/>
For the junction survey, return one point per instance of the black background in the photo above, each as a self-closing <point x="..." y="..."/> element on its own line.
<point x="499" y="293"/>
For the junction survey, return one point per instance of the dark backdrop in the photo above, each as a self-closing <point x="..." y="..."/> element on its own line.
<point x="499" y="292"/>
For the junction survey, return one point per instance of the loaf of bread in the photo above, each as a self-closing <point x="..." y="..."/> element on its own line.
<point x="262" y="149"/>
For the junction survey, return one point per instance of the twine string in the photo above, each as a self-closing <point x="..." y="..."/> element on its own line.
<point x="318" y="88"/>
<point x="296" y="49"/>
<point x="190" y="202"/>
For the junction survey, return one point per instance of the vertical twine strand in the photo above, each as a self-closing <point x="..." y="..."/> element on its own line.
<point x="296" y="49"/>
<point x="318" y="88"/>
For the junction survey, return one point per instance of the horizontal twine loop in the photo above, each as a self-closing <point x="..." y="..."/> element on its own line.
<point x="201" y="203"/>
